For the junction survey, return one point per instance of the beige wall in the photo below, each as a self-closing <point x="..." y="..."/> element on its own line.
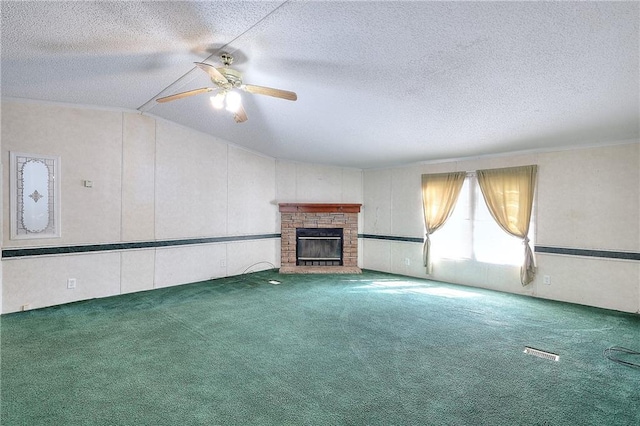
<point x="152" y="181"/>
<point x="586" y="199"/>
<point x="155" y="180"/>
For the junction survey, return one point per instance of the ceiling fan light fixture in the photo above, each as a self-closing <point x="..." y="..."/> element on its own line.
<point x="218" y="100"/>
<point x="233" y="101"/>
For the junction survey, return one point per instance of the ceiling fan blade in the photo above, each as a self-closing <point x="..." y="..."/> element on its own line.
<point x="184" y="94"/>
<point x="240" y="115"/>
<point x="276" y="93"/>
<point x="215" y="75"/>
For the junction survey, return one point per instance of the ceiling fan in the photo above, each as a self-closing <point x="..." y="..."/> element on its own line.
<point x="226" y="80"/>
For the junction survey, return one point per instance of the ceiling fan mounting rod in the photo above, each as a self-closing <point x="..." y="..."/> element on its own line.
<point x="226" y="58"/>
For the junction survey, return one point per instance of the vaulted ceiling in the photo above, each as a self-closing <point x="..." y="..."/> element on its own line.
<point x="378" y="83"/>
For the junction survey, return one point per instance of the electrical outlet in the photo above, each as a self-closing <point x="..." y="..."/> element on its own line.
<point x="407" y="261"/>
<point x="223" y="263"/>
<point x="546" y="280"/>
<point x="71" y="283"/>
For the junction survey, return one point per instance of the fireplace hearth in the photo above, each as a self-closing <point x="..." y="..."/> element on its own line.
<point x="319" y="238"/>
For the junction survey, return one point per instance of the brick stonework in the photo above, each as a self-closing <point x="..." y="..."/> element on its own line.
<point x="344" y="216"/>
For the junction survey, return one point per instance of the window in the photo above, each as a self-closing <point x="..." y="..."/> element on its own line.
<point x="472" y="233"/>
<point x="34" y="196"/>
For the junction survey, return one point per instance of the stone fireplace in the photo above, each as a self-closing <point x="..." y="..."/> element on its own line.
<point x="319" y="238"/>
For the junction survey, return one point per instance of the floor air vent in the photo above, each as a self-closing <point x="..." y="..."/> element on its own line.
<point x="541" y="354"/>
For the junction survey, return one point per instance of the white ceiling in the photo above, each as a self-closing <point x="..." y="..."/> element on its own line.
<point x="378" y="83"/>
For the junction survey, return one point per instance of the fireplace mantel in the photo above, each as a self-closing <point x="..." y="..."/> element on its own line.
<point x="318" y="208"/>
<point x="319" y="215"/>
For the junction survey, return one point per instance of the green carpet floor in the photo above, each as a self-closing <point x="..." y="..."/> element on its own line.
<point x="317" y="350"/>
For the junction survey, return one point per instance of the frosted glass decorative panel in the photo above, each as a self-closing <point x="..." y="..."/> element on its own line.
<point x="35" y="195"/>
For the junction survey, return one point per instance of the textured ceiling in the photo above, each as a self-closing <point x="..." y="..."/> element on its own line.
<point x="378" y="83"/>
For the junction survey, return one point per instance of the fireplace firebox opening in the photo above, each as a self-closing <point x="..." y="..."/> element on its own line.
<point x="319" y="246"/>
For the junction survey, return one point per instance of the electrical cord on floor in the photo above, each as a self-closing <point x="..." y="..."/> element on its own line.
<point x="256" y="264"/>
<point x="610" y="353"/>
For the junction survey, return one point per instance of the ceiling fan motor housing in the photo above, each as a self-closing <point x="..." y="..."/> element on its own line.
<point x="232" y="76"/>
